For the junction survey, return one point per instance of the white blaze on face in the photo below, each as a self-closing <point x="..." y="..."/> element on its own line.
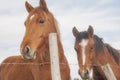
<point x="32" y="17"/>
<point x="83" y="44"/>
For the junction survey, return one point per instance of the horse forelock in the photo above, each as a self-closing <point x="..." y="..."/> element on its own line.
<point x="82" y="35"/>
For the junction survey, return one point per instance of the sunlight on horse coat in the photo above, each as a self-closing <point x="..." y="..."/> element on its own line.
<point x="35" y="61"/>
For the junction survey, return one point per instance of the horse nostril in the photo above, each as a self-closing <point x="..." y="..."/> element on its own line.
<point x="86" y="72"/>
<point x="27" y="49"/>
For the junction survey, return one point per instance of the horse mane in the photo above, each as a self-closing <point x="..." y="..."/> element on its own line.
<point x="55" y="25"/>
<point x="113" y="52"/>
<point x="57" y="28"/>
<point x="99" y="44"/>
<point x="99" y="47"/>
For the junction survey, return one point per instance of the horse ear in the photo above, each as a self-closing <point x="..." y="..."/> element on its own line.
<point x="43" y="5"/>
<point x="90" y="31"/>
<point x="28" y="7"/>
<point x="75" y="31"/>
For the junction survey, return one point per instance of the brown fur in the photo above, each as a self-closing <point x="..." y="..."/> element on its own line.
<point x="36" y="36"/>
<point x="89" y="57"/>
<point x="97" y="53"/>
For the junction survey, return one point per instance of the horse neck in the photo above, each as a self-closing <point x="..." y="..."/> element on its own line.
<point x="43" y="54"/>
<point x="105" y="58"/>
<point x="101" y="60"/>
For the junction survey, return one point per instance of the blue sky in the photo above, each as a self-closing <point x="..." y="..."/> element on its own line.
<point x="103" y="15"/>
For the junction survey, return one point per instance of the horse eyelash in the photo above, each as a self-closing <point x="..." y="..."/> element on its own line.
<point x="41" y="21"/>
<point x="91" y="48"/>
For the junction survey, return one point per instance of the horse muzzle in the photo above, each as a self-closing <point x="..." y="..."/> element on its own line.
<point x="85" y="75"/>
<point x="28" y="54"/>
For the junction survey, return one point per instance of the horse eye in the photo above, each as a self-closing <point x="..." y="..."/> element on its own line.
<point x="91" y="48"/>
<point x="41" y="21"/>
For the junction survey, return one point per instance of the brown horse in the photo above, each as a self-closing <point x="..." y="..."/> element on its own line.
<point x="35" y="61"/>
<point x="92" y="51"/>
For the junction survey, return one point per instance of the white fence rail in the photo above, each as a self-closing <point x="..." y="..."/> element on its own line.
<point x="54" y="58"/>
<point x="108" y="72"/>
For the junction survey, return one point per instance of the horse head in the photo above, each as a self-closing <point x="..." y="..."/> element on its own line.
<point x="84" y="46"/>
<point x="39" y="23"/>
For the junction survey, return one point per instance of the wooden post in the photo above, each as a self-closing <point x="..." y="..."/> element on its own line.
<point x="108" y="72"/>
<point x="54" y="58"/>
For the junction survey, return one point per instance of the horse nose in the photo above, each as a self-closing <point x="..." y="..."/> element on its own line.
<point x="26" y="50"/>
<point x="86" y="72"/>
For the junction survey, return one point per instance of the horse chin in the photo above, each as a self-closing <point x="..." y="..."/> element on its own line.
<point x="86" y="78"/>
